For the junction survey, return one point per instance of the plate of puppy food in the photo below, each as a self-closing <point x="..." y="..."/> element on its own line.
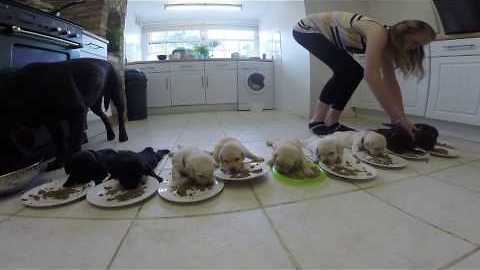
<point x="231" y="156"/>
<point x="414" y="154"/>
<point x="350" y="168"/>
<point x="189" y="191"/>
<point x="251" y="170"/>
<point x="384" y="160"/>
<point x="299" y="177"/>
<point x="111" y="194"/>
<point x="445" y="150"/>
<point x="55" y="194"/>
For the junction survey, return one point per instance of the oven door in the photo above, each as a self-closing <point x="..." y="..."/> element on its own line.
<point x="18" y="51"/>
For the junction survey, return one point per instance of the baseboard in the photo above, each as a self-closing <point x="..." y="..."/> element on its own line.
<point x="191" y="109"/>
<point x="458" y="130"/>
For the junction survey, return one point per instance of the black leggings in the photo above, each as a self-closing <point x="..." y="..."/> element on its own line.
<point x="347" y="73"/>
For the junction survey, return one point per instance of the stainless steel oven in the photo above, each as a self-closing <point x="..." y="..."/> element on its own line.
<point x="29" y="35"/>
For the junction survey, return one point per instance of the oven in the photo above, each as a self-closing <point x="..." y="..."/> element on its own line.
<point x="29" y="35"/>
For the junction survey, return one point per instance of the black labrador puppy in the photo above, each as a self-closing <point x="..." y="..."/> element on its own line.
<point x="399" y="141"/>
<point x="44" y="94"/>
<point x="126" y="166"/>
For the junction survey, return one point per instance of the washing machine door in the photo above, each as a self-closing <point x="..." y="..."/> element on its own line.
<point x="255" y="83"/>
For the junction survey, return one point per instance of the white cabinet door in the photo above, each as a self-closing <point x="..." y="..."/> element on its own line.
<point x="188" y="87"/>
<point x="363" y="97"/>
<point x="158" y="89"/>
<point x="414" y="92"/>
<point x="455" y="89"/>
<point x="221" y="83"/>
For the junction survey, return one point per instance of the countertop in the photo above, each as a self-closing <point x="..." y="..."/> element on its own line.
<point x="196" y="60"/>
<point x="453" y="37"/>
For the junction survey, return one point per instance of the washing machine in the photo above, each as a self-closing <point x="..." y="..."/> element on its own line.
<point x="256" y="89"/>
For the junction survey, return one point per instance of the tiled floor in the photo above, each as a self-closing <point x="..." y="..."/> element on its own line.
<point x="424" y="216"/>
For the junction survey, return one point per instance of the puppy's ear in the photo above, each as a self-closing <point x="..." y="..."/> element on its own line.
<point x="243" y="156"/>
<point x="358" y="143"/>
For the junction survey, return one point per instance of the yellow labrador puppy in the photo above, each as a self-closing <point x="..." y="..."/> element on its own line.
<point x="327" y="150"/>
<point x="192" y="164"/>
<point x="288" y="157"/>
<point x="372" y="142"/>
<point x="230" y="153"/>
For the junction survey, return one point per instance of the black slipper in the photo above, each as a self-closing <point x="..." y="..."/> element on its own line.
<point x="315" y="123"/>
<point x="344" y="128"/>
<point x="322" y="130"/>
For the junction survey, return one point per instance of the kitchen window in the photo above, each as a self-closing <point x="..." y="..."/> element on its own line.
<point x="221" y="42"/>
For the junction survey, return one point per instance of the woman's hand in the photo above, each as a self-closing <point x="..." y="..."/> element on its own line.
<point x="406" y="125"/>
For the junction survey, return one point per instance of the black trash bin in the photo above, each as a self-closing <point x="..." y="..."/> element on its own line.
<point x="136" y="91"/>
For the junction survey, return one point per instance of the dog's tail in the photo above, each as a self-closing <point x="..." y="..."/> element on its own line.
<point x="113" y="90"/>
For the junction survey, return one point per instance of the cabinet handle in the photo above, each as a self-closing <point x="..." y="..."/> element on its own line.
<point x="203" y="81"/>
<point x="460" y="47"/>
<point x="207" y="82"/>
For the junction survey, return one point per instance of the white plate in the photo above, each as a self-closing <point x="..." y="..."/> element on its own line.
<point x="368" y="172"/>
<point x="412" y="156"/>
<point x="257" y="165"/>
<point x="98" y="195"/>
<point x="445" y="144"/>
<point x="451" y="153"/>
<point x="32" y="197"/>
<point x="166" y="192"/>
<point x="397" y="162"/>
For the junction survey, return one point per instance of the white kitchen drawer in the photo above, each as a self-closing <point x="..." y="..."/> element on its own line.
<point x="152" y="68"/>
<point x="94" y="45"/>
<point x="187" y="66"/>
<point x="456" y="47"/>
<point x="222" y="65"/>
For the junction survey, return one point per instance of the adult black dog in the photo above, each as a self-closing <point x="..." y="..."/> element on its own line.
<point x="126" y="166"/>
<point x="48" y="93"/>
<point x="399" y="141"/>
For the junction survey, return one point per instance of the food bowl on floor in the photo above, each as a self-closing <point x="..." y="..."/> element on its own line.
<point x="162" y="57"/>
<point x="19" y="179"/>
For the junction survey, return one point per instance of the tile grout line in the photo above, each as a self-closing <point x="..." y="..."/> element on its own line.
<point x="109" y="265"/>
<point x="291" y="257"/>
<point x="459" y="259"/>
<point x="422" y="220"/>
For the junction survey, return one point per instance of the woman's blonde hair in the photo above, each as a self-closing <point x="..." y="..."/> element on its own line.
<point x="410" y="61"/>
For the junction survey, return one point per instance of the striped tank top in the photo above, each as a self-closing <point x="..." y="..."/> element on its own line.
<point x="338" y="27"/>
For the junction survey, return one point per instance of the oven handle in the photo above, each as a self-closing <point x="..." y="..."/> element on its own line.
<point x="65" y="43"/>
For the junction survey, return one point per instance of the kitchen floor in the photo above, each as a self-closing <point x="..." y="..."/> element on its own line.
<point x="424" y="216"/>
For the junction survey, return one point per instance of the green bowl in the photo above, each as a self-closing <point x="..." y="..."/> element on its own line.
<point x="289" y="180"/>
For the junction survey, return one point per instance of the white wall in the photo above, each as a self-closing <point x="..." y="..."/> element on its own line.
<point x="292" y="73"/>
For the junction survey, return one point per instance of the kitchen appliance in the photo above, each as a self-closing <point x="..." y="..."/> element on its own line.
<point x="29" y="35"/>
<point x="255" y="85"/>
<point x="459" y="16"/>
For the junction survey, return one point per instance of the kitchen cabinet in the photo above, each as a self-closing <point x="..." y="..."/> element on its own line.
<point x="414" y="92"/>
<point x="455" y="89"/>
<point x="455" y="81"/>
<point x="188" y="83"/>
<point x="220" y="82"/>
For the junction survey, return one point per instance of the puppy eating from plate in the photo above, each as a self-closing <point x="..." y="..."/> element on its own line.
<point x="230" y="153"/>
<point x="191" y="165"/>
<point x="288" y="158"/>
<point x="372" y="142"/>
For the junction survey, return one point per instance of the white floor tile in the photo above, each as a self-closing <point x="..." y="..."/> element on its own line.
<point x="466" y="176"/>
<point x="356" y="230"/>
<point x="238" y="240"/>
<point x="58" y="243"/>
<point x="472" y="262"/>
<point x="452" y="208"/>
<point x="234" y="197"/>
